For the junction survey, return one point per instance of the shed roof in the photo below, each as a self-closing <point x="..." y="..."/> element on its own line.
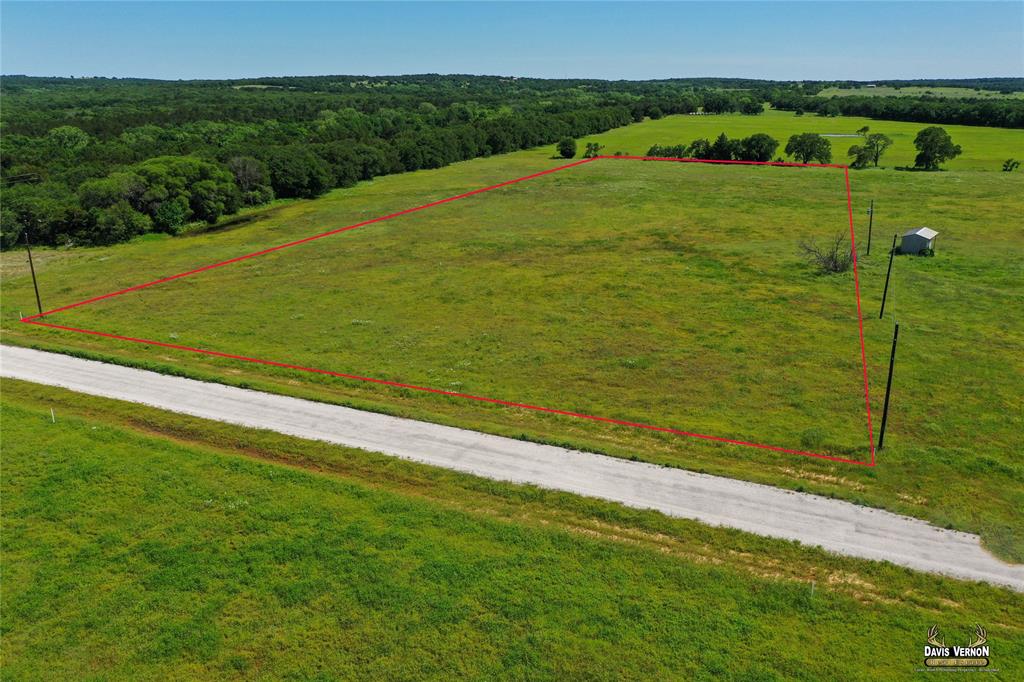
<point x="926" y="232"/>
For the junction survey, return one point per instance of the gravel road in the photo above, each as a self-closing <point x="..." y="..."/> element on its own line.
<point x="837" y="526"/>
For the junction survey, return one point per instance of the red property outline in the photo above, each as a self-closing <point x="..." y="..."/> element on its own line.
<point x="36" y="319"/>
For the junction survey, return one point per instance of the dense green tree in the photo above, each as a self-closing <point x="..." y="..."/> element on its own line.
<point x="117" y="223"/>
<point x="808" y="147"/>
<point x="122" y="186"/>
<point x="700" y="149"/>
<point x="724" y="149"/>
<point x="751" y="107"/>
<point x="297" y="172"/>
<point x="209" y="201"/>
<point x="678" y="151"/>
<point x="171" y="215"/>
<point x="48" y="210"/>
<point x="758" y="147"/>
<point x="67" y="140"/>
<point x="934" y="147"/>
<point x="830" y="108"/>
<point x="250" y="174"/>
<point x="566" y="148"/>
<point x="719" y="102"/>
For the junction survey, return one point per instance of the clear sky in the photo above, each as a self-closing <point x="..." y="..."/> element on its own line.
<point x="634" y="40"/>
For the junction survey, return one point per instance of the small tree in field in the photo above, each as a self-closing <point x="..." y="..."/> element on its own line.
<point x="934" y="147"/>
<point x="566" y="147"/>
<point x="592" y="150"/>
<point x="833" y="258"/>
<point x="807" y="147"/>
<point x="871" y="151"/>
<point x="876" y="144"/>
<point x="1010" y="165"/>
<point x="861" y="156"/>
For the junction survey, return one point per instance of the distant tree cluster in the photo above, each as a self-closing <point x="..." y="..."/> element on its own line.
<point x="977" y="111"/>
<point x="96" y="163"/>
<point x="160" y="194"/>
<point x="805" y="148"/>
<point x="757" y="147"/>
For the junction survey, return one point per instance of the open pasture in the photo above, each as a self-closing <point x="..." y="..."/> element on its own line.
<point x="615" y="288"/>
<point x="952" y="449"/>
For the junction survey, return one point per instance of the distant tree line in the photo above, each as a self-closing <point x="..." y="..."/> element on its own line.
<point x="97" y="161"/>
<point x="757" y="147"/>
<point x="934" y="147"/>
<point x="1002" y="85"/>
<point x="1001" y="113"/>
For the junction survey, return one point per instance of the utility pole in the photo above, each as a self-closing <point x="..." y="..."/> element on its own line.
<point x="32" y="268"/>
<point x="885" y="291"/>
<point x="888" y="387"/>
<point x="871" y="221"/>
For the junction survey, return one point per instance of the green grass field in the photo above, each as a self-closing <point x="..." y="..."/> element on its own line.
<point x="984" y="148"/>
<point x="140" y="544"/>
<point x="615" y="288"/>
<point x="915" y="91"/>
<point x="660" y="293"/>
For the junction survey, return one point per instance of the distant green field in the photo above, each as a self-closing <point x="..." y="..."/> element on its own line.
<point x="914" y="91"/>
<point x="140" y="544"/>
<point x="660" y="293"/>
<point x="984" y="148"/>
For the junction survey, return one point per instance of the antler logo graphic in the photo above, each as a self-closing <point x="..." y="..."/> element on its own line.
<point x="974" y="655"/>
<point x="980" y="634"/>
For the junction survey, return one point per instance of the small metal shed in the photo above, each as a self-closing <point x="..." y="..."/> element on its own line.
<point x="917" y="240"/>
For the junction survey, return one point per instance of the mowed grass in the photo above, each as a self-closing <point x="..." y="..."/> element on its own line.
<point x="643" y="283"/>
<point x="140" y="544"/>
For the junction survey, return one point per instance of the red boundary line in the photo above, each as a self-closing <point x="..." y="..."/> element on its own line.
<point x="36" y="319"/>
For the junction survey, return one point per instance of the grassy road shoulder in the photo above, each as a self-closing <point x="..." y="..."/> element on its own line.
<point x="139" y="543"/>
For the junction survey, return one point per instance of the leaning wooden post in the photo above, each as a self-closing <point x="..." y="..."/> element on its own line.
<point x="32" y="268"/>
<point x="888" y="387"/>
<point x="885" y="291"/>
<point x="871" y="221"/>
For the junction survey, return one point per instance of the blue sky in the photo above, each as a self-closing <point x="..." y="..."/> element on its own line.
<point x="636" y="40"/>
